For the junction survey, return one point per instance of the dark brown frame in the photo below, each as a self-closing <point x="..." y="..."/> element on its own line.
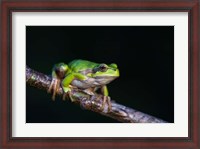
<point x="9" y="6"/>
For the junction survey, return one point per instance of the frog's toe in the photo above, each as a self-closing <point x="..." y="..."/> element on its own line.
<point x="69" y="95"/>
<point x="103" y="103"/>
<point x="55" y="84"/>
<point x="64" y="96"/>
<point x="66" y="89"/>
<point x="106" y="99"/>
<point x="51" y="86"/>
<point x="109" y="104"/>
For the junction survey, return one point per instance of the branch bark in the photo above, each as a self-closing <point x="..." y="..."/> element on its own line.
<point x="92" y="102"/>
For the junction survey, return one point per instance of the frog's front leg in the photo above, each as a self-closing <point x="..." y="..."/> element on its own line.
<point x="67" y="81"/>
<point x="106" y="98"/>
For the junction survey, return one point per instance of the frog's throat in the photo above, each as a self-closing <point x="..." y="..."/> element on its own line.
<point x="106" y="77"/>
<point x="93" y="81"/>
<point x="103" y="80"/>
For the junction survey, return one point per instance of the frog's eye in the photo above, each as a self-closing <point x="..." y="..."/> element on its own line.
<point x="103" y="67"/>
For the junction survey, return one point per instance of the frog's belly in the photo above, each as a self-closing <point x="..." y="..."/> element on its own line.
<point x="90" y="82"/>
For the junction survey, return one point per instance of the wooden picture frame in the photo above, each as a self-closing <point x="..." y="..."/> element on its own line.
<point x="9" y="6"/>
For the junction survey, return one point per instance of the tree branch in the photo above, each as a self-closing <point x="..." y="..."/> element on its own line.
<point x="92" y="102"/>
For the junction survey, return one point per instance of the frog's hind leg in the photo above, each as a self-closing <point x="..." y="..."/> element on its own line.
<point x="58" y="73"/>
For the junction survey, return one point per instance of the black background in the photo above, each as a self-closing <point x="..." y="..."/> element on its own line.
<point x="144" y="55"/>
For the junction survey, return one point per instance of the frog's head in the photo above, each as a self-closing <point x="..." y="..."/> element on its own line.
<point x="104" y="74"/>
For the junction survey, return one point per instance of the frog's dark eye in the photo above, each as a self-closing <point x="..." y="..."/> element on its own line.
<point x="103" y="67"/>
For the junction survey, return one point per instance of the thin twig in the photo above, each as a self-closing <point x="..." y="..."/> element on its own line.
<point x="92" y="102"/>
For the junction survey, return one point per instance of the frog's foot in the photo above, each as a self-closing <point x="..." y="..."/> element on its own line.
<point x="106" y="99"/>
<point x="69" y="95"/>
<point x="67" y="92"/>
<point x="55" y="85"/>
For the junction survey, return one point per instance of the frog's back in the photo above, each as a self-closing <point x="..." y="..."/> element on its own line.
<point x="79" y="65"/>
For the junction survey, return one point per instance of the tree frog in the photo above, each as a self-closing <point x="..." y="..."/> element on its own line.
<point x="85" y="75"/>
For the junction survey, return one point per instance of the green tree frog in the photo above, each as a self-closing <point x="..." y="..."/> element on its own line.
<point x="86" y="75"/>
